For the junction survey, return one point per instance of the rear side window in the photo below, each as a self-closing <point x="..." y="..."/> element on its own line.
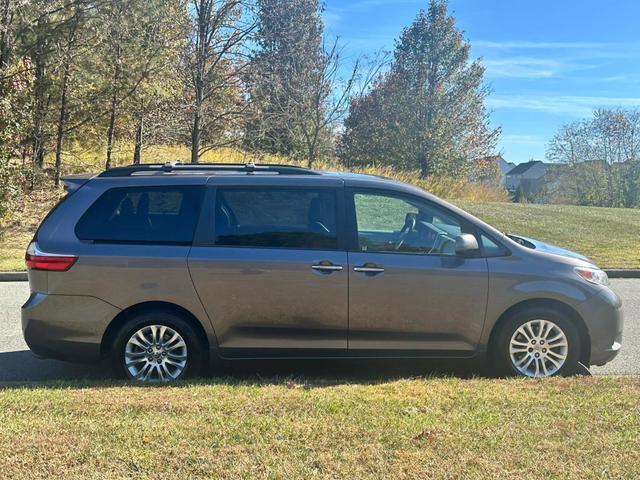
<point x="165" y="215"/>
<point x="274" y="217"/>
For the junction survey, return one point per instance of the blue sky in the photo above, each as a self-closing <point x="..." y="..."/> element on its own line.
<point x="548" y="61"/>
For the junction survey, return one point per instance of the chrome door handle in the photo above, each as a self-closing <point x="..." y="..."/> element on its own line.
<point x="368" y="269"/>
<point x="327" y="268"/>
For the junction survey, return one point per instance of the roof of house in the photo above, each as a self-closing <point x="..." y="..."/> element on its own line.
<point x="523" y="167"/>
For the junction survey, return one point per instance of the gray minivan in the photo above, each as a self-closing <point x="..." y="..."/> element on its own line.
<point x="166" y="268"/>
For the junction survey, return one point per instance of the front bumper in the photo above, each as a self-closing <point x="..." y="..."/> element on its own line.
<point x="603" y="317"/>
<point x="605" y="356"/>
<point x="66" y="327"/>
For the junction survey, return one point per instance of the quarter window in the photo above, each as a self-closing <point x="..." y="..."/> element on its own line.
<point x="491" y="248"/>
<point x="143" y="215"/>
<point x="276" y="217"/>
<point x="388" y="223"/>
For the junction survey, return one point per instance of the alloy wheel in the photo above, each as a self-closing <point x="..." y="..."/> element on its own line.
<point x="155" y="353"/>
<point x="538" y="348"/>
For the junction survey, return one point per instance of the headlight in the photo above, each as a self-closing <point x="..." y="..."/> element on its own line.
<point x="593" y="275"/>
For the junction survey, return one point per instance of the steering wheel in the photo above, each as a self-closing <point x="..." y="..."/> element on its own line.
<point x="433" y="237"/>
<point x="409" y="226"/>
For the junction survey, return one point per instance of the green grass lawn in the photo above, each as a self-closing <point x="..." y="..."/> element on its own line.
<point x="416" y="428"/>
<point x="608" y="236"/>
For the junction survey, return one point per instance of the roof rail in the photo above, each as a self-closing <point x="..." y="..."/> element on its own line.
<point x="171" y="167"/>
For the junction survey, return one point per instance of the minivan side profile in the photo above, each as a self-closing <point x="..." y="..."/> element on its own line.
<point x="167" y="267"/>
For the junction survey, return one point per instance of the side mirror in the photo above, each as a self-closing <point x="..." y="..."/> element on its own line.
<point x="466" y="243"/>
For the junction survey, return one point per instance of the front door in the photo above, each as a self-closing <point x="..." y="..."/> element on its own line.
<point x="274" y="280"/>
<point x="408" y="290"/>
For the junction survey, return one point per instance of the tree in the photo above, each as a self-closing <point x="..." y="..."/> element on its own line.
<point x="44" y="38"/>
<point x="486" y="170"/>
<point x="7" y="15"/>
<point x="298" y="89"/>
<point x="213" y="66"/>
<point x="427" y="112"/>
<point x="315" y="117"/>
<point x="286" y="61"/>
<point x="41" y="84"/>
<point x="141" y="40"/>
<point x="67" y="52"/>
<point x="603" y="154"/>
<point x="16" y="83"/>
<point x="162" y="40"/>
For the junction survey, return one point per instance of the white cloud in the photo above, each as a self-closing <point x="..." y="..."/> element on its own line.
<point x="578" y="106"/>
<point x="552" y="58"/>
<point x="537" y="45"/>
<point x="622" y="78"/>
<point x="522" y="67"/>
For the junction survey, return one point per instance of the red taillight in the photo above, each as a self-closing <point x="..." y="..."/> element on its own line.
<point x="37" y="260"/>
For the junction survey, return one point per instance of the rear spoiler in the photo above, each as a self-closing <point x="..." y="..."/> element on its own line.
<point x="74" y="182"/>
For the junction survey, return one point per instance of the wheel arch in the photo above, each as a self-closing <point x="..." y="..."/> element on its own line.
<point x="577" y="320"/>
<point x="121" y="319"/>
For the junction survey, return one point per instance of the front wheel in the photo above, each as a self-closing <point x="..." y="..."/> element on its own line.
<point x="157" y="347"/>
<point x="538" y="342"/>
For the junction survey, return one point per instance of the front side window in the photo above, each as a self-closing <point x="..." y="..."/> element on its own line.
<point x="143" y="215"/>
<point x="276" y="217"/>
<point x="388" y="223"/>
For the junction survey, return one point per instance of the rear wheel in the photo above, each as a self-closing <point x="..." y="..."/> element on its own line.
<point x="157" y="347"/>
<point x="537" y="342"/>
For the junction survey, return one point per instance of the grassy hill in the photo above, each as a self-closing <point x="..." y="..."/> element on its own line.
<point x="608" y="236"/>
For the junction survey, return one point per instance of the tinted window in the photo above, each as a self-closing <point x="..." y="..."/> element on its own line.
<point x="143" y="215"/>
<point x="273" y="217"/>
<point x="387" y="223"/>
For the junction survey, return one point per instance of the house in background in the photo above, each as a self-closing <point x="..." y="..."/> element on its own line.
<point x="530" y="179"/>
<point x="528" y="176"/>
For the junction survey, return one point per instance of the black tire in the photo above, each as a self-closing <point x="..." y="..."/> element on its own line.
<point x="194" y="347"/>
<point x="500" y="347"/>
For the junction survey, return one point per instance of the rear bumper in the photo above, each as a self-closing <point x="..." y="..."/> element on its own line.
<point x="66" y="327"/>
<point x="603" y="316"/>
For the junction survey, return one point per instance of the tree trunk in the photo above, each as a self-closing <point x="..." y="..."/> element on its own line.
<point x="66" y="71"/>
<point x="137" y="152"/>
<point x="4" y="34"/>
<point x="39" y="92"/>
<point x="204" y="17"/>
<point x="61" y="121"/>
<point x="423" y="162"/>
<point x="111" y="131"/>
<point x="114" y="106"/>
<point x="196" y="129"/>
<point x="312" y="150"/>
<point x="195" y="138"/>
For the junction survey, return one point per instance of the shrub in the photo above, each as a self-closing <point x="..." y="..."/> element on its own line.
<point x="80" y="160"/>
<point x="15" y="179"/>
<point x="457" y="188"/>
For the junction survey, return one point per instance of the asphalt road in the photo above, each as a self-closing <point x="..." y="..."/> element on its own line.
<point x="17" y="363"/>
